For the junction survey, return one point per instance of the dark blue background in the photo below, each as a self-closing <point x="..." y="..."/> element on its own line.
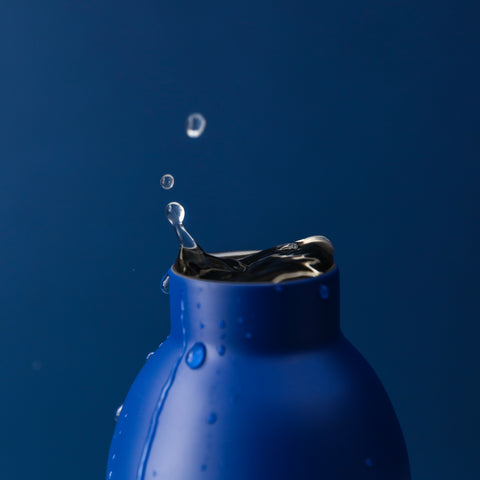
<point x="357" y="120"/>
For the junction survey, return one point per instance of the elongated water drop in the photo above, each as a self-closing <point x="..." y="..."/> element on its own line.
<point x="118" y="412"/>
<point x="149" y="356"/>
<point x="165" y="285"/>
<point x="195" y="125"/>
<point x="175" y="214"/>
<point x="167" y="181"/>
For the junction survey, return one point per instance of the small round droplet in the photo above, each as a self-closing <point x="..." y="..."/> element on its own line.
<point x="198" y="305"/>
<point x="278" y="288"/>
<point x="195" y="125"/>
<point x="324" y="292"/>
<point x="167" y="181"/>
<point x="118" y="412"/>
<point x="154" y="473"/>
<point x="165" y="285"/>
<point x="149" y="356"/>
<point x="212" y="418"/>
<point x="222" y="324"/>
<point x="114" y="456"/>
<point x="202" y="325"/>
<point x="196" y="355"/>
<point x="203" y="467"/>
<point x="240" y="320"/>
<point x="248" y="335"/>
<point x="368" y="463"/>
<point x="221" y="350"/>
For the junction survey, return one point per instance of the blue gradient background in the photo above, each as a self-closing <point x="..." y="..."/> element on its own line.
<point x="357" y="120"/>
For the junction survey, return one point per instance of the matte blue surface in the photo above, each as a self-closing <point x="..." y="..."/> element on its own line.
<point x="357" y="120"/>
<point x="289" y="398"/>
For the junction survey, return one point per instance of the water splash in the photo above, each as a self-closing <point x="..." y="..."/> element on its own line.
<point x="176" y="214"/>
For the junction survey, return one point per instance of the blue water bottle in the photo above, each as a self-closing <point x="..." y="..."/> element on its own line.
<point x="256" y="382"/>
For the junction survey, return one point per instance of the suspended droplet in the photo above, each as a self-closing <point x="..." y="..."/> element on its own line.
<point x="221" y="350"/>
<point x="149" y="356"/>
<point x="196" y="355"/>
<point x="212" y="418"/>
<point x="118" y="412"/>
<point x="165" y="284"/>
<point x="195" y="125"/>
<point x="324" y="292"/>
<point x="167" y="181"/>
<point x="175" y="214"/>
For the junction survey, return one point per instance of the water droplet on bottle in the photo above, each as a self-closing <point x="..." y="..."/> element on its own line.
<point x="165" y="284"/>
<point x="240" y="320"/>
<point x="110" y="475"/>
<point x="114" y="456"/>
<point x="118" y="412"/>
<point x="202" y="325"/>
<point x="195" y="125"/>
<point x="368" y="463"/>
<point x="324" y="292"/>
<point x="212" y="418"/>
<point x="222" y="324"/>
<point x="149" y="356"/>
<point x="203" y="468"/>
<point x="154" y="473"/>
<point x="167" y="181"/>
<point x="248" y="335"/>
<point x="176" y="214"/>
<point x="196" y="355"/>
<point x="221" y="349"/>
<point x="198" y="305"/>
<point x="278" y="288"/>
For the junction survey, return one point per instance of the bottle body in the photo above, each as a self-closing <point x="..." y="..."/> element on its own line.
<point x="226" y="397"/>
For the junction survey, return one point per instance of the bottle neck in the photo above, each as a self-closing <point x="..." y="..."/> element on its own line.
<point x="264" y="317"/>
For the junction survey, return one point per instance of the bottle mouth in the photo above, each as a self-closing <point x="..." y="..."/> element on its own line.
<point x="238" y="254"/>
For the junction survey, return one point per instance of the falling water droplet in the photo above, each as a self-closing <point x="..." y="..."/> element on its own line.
<point x="195" y="125"/>
<point x="196" y="355"/>
<point x="167" y="181"/>
<point x="324" y="292"/>
<point x="212" y="418"/>
<point x="118" y="412"/>
<point x="221" y="350"/>
<point x="165" y="284"/>
<point x="175" y="214"/>
<point x="149" y="356"/>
